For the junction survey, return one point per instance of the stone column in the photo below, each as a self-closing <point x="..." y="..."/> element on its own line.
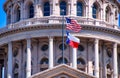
<point x="73" y="7"/>
<point x="96" y="58"/>
<point x="90" y="9"/>
<point x="9" y="73"/>
<point x="28" y="68"/>
<point x="69" y="8"/>
<point x="104" y="12"/>
<point x="86" y="11"/>
<point x="36" y="10"/>
<point x="50" y="52"/>
<point x="74" y="58"/>
<point x="22" y="11"/>
<point x="115" y="65"/>
<point x="39" y="9"/>
<point x="53" y="10"/>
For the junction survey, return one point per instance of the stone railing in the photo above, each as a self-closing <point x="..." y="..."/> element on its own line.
<point x="56" y="20"/>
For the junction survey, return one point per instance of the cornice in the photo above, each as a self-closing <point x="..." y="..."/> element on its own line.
<point x="57" y="26"/>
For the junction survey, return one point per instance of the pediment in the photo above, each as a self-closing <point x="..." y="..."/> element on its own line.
<point x="62" y="71"/>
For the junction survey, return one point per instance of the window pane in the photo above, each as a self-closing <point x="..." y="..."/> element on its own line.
<point x="31" y="11"/>
<point x="46" y="9"/>
<point x="18" y="14"/>
<point x="63" y="8"/>
<point x="79" y="9"/>
<point x="94" y="11"/>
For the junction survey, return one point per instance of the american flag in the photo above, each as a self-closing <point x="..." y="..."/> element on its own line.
<point x="72" y="25"/>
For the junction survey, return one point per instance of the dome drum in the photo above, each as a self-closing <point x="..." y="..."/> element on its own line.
<point x="32" y="39"/>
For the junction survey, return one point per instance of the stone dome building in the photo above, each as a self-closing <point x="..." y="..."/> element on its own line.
<point x="31" y="43"/>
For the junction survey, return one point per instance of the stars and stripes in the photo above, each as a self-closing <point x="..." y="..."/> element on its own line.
<point x="72" y="25"/>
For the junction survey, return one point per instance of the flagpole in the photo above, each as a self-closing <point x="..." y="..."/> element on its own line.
<point x="63" y="37"/>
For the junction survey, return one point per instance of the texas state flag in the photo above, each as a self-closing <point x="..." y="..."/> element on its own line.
<point x="72" y="40"/>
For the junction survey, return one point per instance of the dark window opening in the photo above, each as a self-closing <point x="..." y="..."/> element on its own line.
<point x="62" y="8"/>
<point x="94" y="11"/>
<point x="46" y="9"/>
<point x="79" y="9"/>
<point x="31" y="11"/>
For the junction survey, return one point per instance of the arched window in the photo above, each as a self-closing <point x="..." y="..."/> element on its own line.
<point x="107" y="15"/>
<point x="60" y="60"/>
<point x="31" y="11"/>
<point x="94" y="11"/>
<point x="46" y="9"/>
<point x="79" y="9"/>
<point x="62" y="8"/>
<point x="18" y="14"/>
<point x="80" y="61"/>
<point x="44" y="61"/>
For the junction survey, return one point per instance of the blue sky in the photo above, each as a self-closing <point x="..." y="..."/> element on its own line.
<point x="3" y="15"/>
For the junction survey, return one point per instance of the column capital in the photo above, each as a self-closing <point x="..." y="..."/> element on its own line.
<point x="115" y="45"/>
<point x="50" y="37"/>
<point x="86" y="5"/>
<point x="96" y="40"/>
<point x="28" y="38"/>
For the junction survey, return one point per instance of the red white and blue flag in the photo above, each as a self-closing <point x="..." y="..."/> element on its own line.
<point x="72" y="25"/>
<point x="72" y="40"/>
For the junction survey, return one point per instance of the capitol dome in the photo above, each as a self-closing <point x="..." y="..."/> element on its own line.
<point x="31" y="44"/>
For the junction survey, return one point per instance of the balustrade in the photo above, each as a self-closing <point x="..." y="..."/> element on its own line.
<point x="56" y="20"/>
